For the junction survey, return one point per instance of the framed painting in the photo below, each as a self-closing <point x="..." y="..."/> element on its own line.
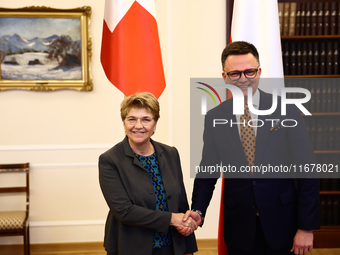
<point x="45" y="49"/>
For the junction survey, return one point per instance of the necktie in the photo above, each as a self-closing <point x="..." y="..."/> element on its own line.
<point x="248" y="139"/>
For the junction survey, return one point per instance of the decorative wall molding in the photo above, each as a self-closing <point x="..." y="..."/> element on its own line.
<point x="35" y="224"/>
<point x="85" y="155"/>
<point x="55" y="147"/>
<point x="63" y="166"/>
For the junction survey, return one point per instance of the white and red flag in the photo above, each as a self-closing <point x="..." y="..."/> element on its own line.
<point x="257" y="22"/>
<point x="131" y="53"/>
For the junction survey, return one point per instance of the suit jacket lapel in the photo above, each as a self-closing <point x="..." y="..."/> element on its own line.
<point x="264" y="131"/>
<point x="232" y="132"/>
<point x="159" y="154"/>
<point x="129" y="153"/>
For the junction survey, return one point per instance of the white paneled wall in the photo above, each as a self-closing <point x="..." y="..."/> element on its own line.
<point x="62" y="133"/>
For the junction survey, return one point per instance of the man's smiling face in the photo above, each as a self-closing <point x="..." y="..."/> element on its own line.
<point x="241" y="63"/>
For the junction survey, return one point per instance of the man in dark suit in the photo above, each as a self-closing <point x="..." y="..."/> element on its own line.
<point x="261" y="215"/>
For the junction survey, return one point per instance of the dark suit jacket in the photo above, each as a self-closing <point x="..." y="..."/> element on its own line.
<point x="284" y="205"/>
<point x="130" y="195"/>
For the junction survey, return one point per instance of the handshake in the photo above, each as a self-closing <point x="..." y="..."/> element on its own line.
<point x="186" y="223"/>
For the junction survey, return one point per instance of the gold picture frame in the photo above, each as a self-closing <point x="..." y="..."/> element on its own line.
<point x="45" y="49"/>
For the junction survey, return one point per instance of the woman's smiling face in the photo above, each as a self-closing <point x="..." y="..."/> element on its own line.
<point x="139" y="126"/>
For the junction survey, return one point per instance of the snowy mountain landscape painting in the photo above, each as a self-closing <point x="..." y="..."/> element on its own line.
<point x="45" y="49"/>
<point x="40" y="48"/>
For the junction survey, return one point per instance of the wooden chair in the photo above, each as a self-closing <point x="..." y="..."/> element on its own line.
<point x="14" y="223"/>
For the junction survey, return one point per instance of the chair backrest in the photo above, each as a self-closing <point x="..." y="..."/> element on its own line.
<point x="17" y="168"/>
<point x="13" y="222"/>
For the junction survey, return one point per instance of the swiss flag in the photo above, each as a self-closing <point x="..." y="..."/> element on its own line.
<point x="131" y="53"/>
<point x="256" y="22"/>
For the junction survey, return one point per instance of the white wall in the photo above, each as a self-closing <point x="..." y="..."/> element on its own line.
<point x="62" y="133"/>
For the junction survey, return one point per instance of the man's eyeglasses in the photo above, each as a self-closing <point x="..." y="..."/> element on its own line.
<point x="145" y="121"/>
<point x="236" y="75"/>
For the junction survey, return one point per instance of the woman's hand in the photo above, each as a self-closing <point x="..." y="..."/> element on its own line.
<point x="184" y="227"/>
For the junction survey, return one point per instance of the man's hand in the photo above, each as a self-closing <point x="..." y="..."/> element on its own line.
<point x="303" y="242"/>
<point x="184" y="227"/>
<point x="190" y="216"/>
<point x="193" y="215"/>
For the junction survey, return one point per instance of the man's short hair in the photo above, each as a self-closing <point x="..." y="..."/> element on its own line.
<point x="239" y="48"/>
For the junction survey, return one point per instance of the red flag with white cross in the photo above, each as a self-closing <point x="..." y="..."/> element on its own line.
<point x="131" y="53"/>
